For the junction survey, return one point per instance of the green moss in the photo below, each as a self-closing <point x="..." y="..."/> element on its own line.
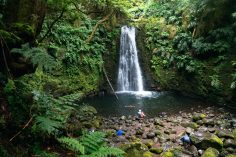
<point x="210" y="152"/>
<point x="149" y="143"/>
<point x="193" y="125"/>
<point x="231" y="155"/>
<point x="167" y="154"/>
<point x="197" y="117"/>
<point x="156" y="150"/>
<point x="148" y="154"/>
<point x="214" y="141"/>
<point x="234" y="133"/>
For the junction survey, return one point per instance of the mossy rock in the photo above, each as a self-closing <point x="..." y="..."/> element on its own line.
<point x="167" y="154"/>
<point x="156" y="150"/>
<point x="234" y="133"/>
<point x="148" y="154"/>
<point x="193" y="125"/>
<point x="198" y="116"/>
<point x="135" y="149"/>
<point x="214" y="141"/>
<point x="210" y="152"/>
<point x="231" y="155"/>
<point x="224" y="134"/>
<point x="206" y="140"/>
<point x="149" y="143"/>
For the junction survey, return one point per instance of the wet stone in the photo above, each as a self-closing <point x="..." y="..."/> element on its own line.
<point x="151" y="135"/>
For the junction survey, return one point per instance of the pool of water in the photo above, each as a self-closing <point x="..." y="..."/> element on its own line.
<point x="152" y="103"/>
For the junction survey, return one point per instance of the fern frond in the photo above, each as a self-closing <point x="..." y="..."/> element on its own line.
<point x="72" y="144"/>
<point x="106" y="152"/>
<point x="37" y="55"/>
<point x="92" y="141"/>
<point x="47" y="125"/>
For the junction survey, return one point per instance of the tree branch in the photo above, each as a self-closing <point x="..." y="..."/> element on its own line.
<point x="104" y="71"/>
<point x="26" y="125"/>
<point x="96" y="26"/>
<point x="52" y="24"/>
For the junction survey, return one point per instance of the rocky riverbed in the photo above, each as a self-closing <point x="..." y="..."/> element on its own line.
<point x="212" y="133"/>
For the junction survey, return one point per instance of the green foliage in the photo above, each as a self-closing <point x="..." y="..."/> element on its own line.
<point x="93" y="141"/>
<point x="72" y="144"/>
<point x="91" y="145"/>
<point x="186" y="63"/>
<point x="39" y="152"/>
<point x="38" y="56"/>
<point x="47" y="125"/>
<point x="51" y="114"/>
<point x="4" y="152"/>
<point x="215" y="82"/>
<point x="9" y="87"/>
<point x="182" y="42"/>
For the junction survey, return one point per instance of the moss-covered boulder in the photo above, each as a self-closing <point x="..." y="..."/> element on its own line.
<point x="192" y="125"/>
<point x="210" y="152"/>
<point x="231" y="155"/>
<point x="205" y="140"/>
<point x="224" y="134"/>
<point x="149" y="143"/>
<point x="156" y="150"/>
<point x="198" y="116"/>
<point x="135" y="149"/>
<point x="148" y="154"/>
<point x="167" y="154"/>
<point x="234" y="133"/>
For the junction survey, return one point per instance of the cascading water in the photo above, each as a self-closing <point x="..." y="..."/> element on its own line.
<point x="129" y="73"/>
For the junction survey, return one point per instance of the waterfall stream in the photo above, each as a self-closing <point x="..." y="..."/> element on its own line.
<point x="129" y="73"/>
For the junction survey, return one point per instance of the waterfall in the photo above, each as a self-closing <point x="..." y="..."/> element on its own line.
<point x="129" y="73"/>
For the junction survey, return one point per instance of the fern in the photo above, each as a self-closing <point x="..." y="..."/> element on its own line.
<point x="47" y="125"/>
<point x="93" y="141"/>
<point x="91" y="145"/>
<point x="37" y="55"/>
<point x="72" y="144"/>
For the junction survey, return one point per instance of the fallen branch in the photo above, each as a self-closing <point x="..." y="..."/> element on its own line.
<point x="96" y="26"/>
<point x="26" y="125"/>
<point x="104" y="71"/>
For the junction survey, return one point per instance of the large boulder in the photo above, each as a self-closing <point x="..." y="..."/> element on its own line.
<point x="205" y="140"/>
<point x="210" y="152"/>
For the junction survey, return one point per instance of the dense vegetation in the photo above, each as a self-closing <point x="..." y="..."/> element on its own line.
<point x="192" y="44"/>
<point x="52" y="53"/>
